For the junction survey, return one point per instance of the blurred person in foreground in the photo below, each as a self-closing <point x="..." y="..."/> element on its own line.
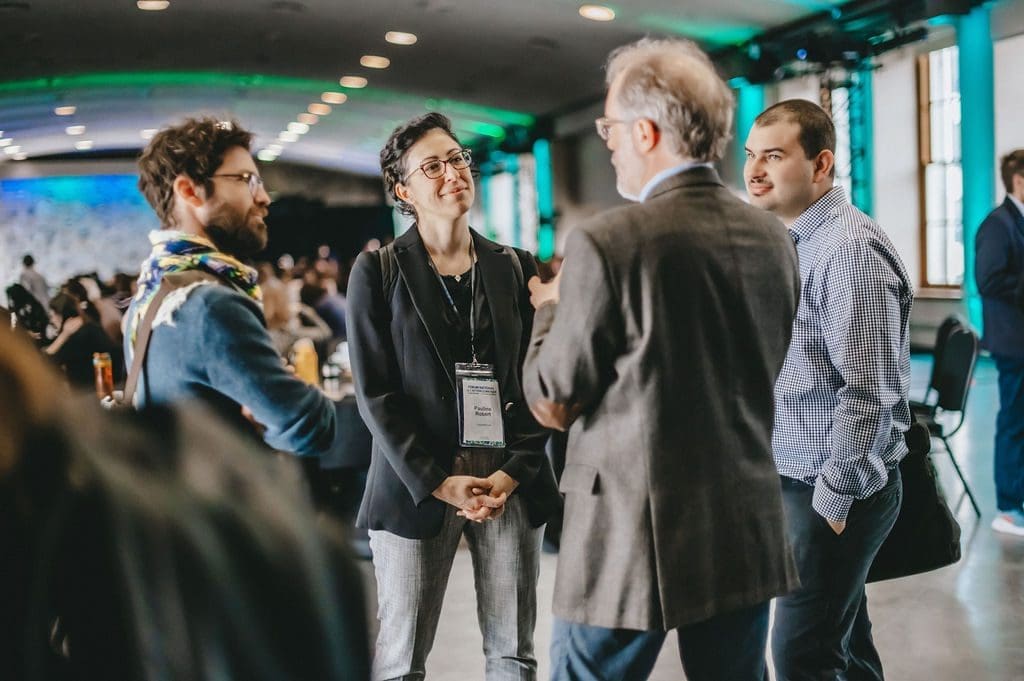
<point x="155" y="546"/>
<point x="209" y="338"/>
<point x="659" y="344"/>
<point x="439" y="322"/>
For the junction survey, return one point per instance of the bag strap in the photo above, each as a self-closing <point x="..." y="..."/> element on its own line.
<point x="170" y="282"/>
<point x="517" y="265"/>
<point x="388" y="269"/>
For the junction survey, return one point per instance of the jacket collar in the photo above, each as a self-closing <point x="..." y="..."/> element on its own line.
<point x="497" y="278"/>
<point x="694" y="177"/>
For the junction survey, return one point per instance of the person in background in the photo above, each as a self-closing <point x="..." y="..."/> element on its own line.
<point x="78" y="337"/>
<point x="33" y="281"/>
<point x="321" y="294"/>
<point x="452" y="298"/>
<point x="999" y="273"/>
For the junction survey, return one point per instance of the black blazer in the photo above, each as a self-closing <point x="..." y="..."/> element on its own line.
<point x="999" y="273"/>
<point x="405" y="385"/>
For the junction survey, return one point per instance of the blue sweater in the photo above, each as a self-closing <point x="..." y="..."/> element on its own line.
<point x="216" y="348"/>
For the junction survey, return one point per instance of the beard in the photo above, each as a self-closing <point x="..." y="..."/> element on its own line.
<point x="242" y="236"/>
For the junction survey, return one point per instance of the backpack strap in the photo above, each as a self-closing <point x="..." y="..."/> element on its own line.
<point x="170" y="282"/>
<point x="388" y="269"/>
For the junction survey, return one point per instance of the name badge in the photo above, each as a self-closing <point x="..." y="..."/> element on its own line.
<point x="480" y="421"/>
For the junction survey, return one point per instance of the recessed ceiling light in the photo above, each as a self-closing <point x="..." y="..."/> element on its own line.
<point x="333" y="98"/>
<point x="75" y="129"/>
<point x="400" y="38"/>
<point x="153" y="5"/>
<point x="65" y="110"/>
<point x="286" y="136"/>
<point x="298" y="128"/>
<point x="148" y="133"/>
<point x="307" y="118"/>
<point x="12" y="150"/>
<point x="372" y="61"/>
<point x="353" y="81"/>
<point x="266" y="155"/>
<point x="320" y="109"/>
<point x="6" y="141"/>
<point x="19" y="157"/>
<point x="84" y="145"/>
<point x="597" y="12"/>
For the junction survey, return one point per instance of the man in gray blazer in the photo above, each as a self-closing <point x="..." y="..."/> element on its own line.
<point x="677" y="314"/>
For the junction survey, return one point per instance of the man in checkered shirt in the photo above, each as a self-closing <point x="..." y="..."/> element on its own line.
<point x="841" y="400"/>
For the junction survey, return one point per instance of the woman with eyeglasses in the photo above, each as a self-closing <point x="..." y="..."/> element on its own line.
<point x="439" y="322"/>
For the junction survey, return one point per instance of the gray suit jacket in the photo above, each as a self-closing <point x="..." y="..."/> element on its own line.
<point x="674" y="321"/>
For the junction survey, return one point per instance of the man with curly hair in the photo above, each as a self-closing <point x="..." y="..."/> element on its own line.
<point x="209" y="339"/>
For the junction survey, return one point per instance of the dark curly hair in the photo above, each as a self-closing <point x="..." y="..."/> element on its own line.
<point x="392" y="156"/>
<point x="195" y="148"/>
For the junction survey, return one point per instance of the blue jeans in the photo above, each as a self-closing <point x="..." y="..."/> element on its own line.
<point x="727" y="647"/>
<point x="1009" y="458"/>
<point x="822" y="630"/>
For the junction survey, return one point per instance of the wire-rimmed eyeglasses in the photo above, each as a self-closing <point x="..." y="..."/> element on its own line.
<point x="604" y="125"/>
<point x="435" y="168"/>
<point x="252" y="179"/>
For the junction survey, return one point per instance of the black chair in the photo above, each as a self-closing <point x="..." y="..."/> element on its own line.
<point x="945" y="328"/>
<point x="951" y="381"/>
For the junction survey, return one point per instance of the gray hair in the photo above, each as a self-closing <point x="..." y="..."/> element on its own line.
<point x="673" y="83"/>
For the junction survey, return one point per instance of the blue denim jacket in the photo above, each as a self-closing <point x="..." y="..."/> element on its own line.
<point x="215" y="347"/>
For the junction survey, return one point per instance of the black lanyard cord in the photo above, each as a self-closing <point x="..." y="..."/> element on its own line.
<point x="472" y="296"/>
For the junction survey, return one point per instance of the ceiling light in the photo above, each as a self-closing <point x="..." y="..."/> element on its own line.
<point x="12" y="150"/>
<point x="334" y="97"/>
<point x="372" y="61"/>
<point x="65" y="110"/>
<point x="298" y="128"/>
<point x="353" y="81"/>
<point x="288" y="136"/>
<point x="320" y="109"/>
<point x="266" y="155"/>
<point x="400" y="38"/>
<point x="6" y="141"/>
<point x="276" y="148"/>
<point x="307" y="118"/>
<point x="153" y="5"/>
<point x="597" y="12"/>
<point x="19" y="157"/>
<point x="84" y="145"/>
<point x="148" y="133"/>
<point x="75" y="129"/>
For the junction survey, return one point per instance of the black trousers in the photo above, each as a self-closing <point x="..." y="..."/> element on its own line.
<point x="822" y="631"/>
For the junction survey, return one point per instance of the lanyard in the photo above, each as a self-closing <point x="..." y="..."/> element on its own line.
<point x="472" y="297"/>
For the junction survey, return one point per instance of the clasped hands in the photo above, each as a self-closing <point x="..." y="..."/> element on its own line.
<point x="478" y="499"/>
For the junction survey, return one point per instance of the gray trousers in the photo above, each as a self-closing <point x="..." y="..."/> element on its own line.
<point x="412" y="575"/>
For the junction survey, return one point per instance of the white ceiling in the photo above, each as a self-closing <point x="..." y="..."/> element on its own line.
<point x="488" y="63"/>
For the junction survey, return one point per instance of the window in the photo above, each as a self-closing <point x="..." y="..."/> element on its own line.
<point x="941" y="175"/>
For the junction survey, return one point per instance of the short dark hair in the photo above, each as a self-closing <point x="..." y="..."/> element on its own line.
<point x="1010" y="165"/>
<point x="195" y="148"/>
<point x="817" y="132"/>
<point x="66" y="306"/>
<point x="392" y="156"/>
<point x="28" y="260"/>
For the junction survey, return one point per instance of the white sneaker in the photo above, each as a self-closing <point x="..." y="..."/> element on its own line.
<point x="1009" y="522"/>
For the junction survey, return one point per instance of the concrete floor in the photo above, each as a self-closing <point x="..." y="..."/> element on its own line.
<point x="961" y="623"/>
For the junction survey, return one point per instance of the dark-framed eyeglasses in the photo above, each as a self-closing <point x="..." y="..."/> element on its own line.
<point x="434" y="169"/>
<point x="252" y="179"/>
<point x="604" y="125"/>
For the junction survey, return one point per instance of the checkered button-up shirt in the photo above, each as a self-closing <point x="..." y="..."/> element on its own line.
<point x="841" y="399"/>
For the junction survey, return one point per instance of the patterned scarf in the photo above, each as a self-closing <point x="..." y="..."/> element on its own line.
<point x="175" y="251"/>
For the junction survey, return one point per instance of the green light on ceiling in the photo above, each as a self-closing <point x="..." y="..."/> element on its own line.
<point x="310" y="87"/>
<point x="711" y="33"/>
<point x="486" y="129"/>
